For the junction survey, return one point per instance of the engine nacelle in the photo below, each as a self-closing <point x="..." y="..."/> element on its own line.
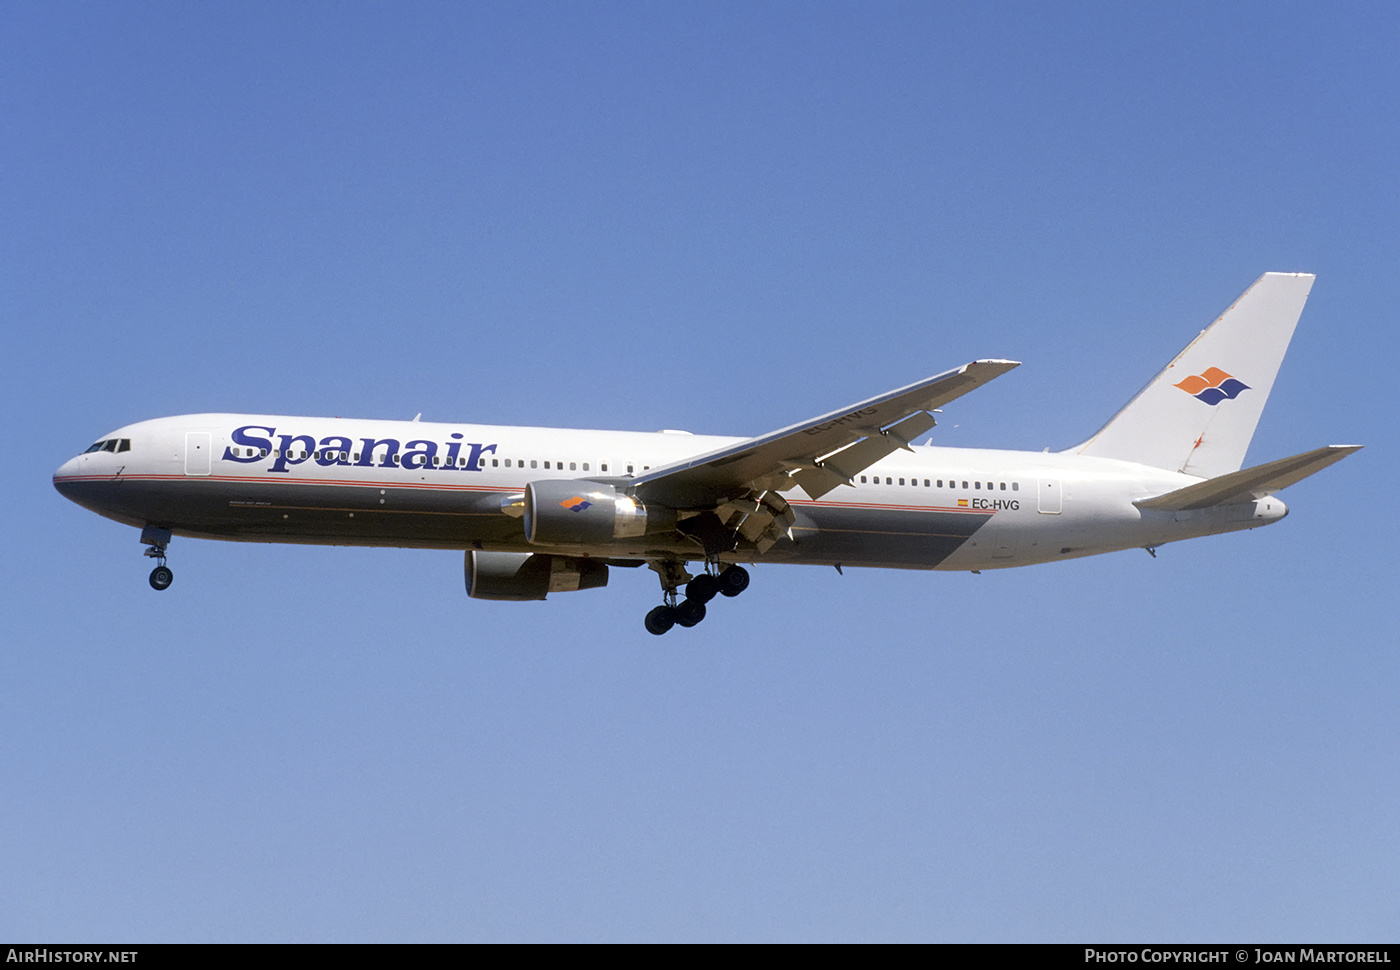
<point x="529" y="576"/>
<point x="587" y="513"/>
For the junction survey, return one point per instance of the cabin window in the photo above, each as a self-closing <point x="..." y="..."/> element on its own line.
<point x="604" y="466"/>
<point x="573" y="467"/>
<point x="533" y="463"/>
<point x="888" y="480"/>
<point x="964" y="484"/>
<point x="629" y="469"/>
<point x="495" y="463"/>
<point x="989" y="487"/>
<point x="1003" y="486"/>
<point x="585" y="466"/>
<point x="925" y="483"/>
<point x="977" y="485"/>
<point x="1015" y="486"/>
<point x="901" y="481"/>
<point x="862" y="479"/>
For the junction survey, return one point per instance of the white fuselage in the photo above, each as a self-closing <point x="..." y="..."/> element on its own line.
<point x="365" y="482"/>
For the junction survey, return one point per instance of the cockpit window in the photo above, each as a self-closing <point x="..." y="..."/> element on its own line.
<point x="111" y="444"/>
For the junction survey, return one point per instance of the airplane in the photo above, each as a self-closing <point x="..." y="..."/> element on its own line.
<point x="547" y="510"/>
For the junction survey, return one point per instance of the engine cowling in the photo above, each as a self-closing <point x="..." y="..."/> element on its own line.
<point x="529" y="576"/>
<point x="587" y="513"/>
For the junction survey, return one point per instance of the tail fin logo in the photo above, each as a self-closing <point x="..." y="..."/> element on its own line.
<point x="576" y="504"/>
<point x="1212" y="386"/>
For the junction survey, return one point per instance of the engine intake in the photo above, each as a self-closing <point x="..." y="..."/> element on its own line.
<point x="588" y="513"/>
<point x="529" y="576"/>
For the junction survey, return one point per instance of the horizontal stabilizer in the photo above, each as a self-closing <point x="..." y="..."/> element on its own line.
<point x="1248" y="483"/>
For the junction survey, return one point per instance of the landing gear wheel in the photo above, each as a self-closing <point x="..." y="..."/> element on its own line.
<point x="702" y="588"/>
<point x="161" y="577"/>
<point x="733" y="580"/>
<point x="690" y="612"/>
<point x="660" y="620"/>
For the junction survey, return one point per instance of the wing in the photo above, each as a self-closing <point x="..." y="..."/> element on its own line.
<point x="818" y="454"/>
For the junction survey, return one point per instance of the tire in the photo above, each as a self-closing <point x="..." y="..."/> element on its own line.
<point x="690" y="612"/>
<point x="702" y="588"/>
<point x="161" y="577"/>
<point x="660" y="620"/>
<point x="733" y="580"/>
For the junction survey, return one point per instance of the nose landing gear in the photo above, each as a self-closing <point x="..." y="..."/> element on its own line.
<point x="732" y="581"/>
<point x="156" y="540"/>
<point x="161" y="577"/>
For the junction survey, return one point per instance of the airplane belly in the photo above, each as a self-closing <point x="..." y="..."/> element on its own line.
<point x="882" y="537"/>
<point x="256" y="510"/>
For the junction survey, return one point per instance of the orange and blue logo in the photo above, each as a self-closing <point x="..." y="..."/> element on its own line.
<point x="1212" y="386"/>
<point x="576" y="504"/>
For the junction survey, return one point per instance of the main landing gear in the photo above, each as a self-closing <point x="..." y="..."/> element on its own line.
<point x="157" y="539"/>
<point x="732" y="581"/>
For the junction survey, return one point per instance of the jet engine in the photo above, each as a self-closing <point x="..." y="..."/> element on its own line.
<point x="529" y="576"/>
<point x="588" y="513"/>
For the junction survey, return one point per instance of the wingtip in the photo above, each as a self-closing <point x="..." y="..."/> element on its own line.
<point x="1000" y="366"/>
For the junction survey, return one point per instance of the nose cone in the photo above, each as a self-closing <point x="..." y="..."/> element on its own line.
<point x="64" y="479"/>
<point x="85" y="482"/>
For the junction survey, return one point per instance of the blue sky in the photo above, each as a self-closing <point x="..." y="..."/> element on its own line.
<point x="724" y="218"/>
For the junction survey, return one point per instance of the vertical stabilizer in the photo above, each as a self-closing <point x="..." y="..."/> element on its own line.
<point x="1198" y="415"/>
